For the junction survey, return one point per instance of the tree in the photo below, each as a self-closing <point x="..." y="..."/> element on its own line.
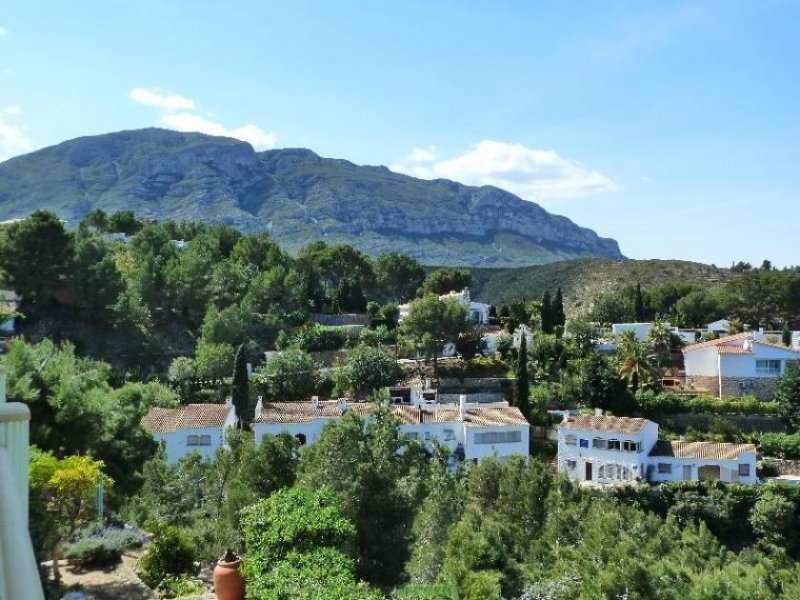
<point x="93" y="268"/>
<point x="522" y="389"/>
<point x="213" y="360"/>
<point x="34" y="254"/>
<point x="787" y="393"/>
<point x="431" y="323"/>
<point x="697" y="308"/>
<point x="240" y="389"/>
<point x="546" y="313"/>
<point x="290" y="375"/>
<point x="397" y="277"/>
<point x="786" y="335"/>
<point x="659" y="340"/>
<point x="124" y="221"/>
<point x="470" y="342"/>
<point x="366" y="369"/>
<point x="444" y="281"/>
<point x="67" y="487"/>
<point x="638" y="304"/>
<point x="634" y="362"/>
<point x="559" y="319"/>
<point x="599" y="386"/>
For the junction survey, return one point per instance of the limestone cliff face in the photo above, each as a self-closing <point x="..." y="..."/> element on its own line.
<point x="295" y="194"/>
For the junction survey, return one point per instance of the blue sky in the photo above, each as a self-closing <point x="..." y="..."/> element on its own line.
<point x="673" y="127"/>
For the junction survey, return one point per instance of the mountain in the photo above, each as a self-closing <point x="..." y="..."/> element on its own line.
<point x="294" y="194"/>
<point x="583" y="280"/>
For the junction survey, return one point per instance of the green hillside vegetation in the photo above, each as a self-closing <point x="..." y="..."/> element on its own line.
<point x="294" y="194"/>
<point x="583" y="281"/>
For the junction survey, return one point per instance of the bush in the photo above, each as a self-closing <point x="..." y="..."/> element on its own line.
<point x="90" y="553"/>
<point x="652" y="403"/>
<point x="780" y="445"/>
<point x="178" y="587"/>
<point x="101" y="546"/>
<point x="316" y="338"/>
<point x="170" y="553"/>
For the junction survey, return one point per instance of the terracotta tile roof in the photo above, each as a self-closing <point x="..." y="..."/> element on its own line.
<point x="191" y="416"/>
<point x="708" y="450"/>
<point x="722" y="340"/>
<point x="304" y="412"/>
<point x="603" y="423"/>
<point x="733" y="350"/>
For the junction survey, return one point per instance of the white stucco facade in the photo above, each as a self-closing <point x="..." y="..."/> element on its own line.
<point x="197" y="428"/>
<point x="620" y="450"/>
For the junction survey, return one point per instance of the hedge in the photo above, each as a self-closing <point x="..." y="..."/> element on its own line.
<point x="666" y="403"/>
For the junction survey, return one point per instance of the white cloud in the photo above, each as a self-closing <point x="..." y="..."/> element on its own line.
<point x="646" y="179"/>
<point x="161" y="100"/>
<point x="13" y="110"/>
<point x="184" y="121"/>
<point x="13" y="140"/>
<point x="3" y="31"/>
<point x="422" y="155"/>
<point x="533" y="174"/>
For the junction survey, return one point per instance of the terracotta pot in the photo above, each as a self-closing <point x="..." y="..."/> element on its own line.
<point x="228" y="582"/>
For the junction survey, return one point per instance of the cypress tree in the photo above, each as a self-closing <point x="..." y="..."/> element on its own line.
<point x="559" y="319"/>
<point x="638" y="305"/>
<point x="547" y="313"/>
<point x="522" y="391"/>
<point x="240" y="389"/>
<point x="786" y="335"/>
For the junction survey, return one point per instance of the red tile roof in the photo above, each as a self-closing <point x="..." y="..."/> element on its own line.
<point x="733" y="350"/>
<point x="603" y="423"/>
<point x="191" y="416"/>
<point x="707" y="450"/>
<point x="717" y="342"/>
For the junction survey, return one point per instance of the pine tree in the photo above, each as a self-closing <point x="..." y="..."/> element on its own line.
<point x="240" y="389"/>
<point x="547" y="313"/>
<point x="559" y="319"/>
<point x="638" y="304"/>
<point x="523" y="384"/>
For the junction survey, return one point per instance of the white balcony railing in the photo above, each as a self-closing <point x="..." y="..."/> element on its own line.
<point x="19" y="574"/>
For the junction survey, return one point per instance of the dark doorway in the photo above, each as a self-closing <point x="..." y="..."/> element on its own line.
<point x="588" y="471"/>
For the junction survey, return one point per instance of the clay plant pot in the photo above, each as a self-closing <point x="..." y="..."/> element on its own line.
<point x="228" y="582"/>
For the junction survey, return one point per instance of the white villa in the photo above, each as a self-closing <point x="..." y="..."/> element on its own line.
<point x="737" y="365"/>
<point x="618" y="450"/>
<point x="481" y="430"/>
<point x="477" y="311"/>
<point x="192" y="428"/>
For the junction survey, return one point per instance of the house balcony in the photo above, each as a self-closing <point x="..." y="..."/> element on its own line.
<point x="19" y="574"/>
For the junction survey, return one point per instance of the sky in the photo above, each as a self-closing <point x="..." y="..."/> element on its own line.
<point x="673" y="127"/>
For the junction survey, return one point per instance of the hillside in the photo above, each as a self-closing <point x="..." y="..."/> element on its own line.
<point x="294" y="194"/>
<point x="583" y="280"/>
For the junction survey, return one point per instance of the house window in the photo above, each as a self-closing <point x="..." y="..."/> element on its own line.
<point x="584" y="443"/>
<point x="571" y="440"/>
<point x="613" y="445"/>
<point x="198" y="440"/>
<point x="744" y="470"/>
<point x="571" y="464"/>
<point x="449" y="435"/>
<point x="411" y="435"/>
<point x="630" y="446"/>
<point x="498" y="437"/>
<point x="768" y="367"/>
<point x="599" y="443"/>
<point x="427" y="436"/>
<point x="664" y="468"/>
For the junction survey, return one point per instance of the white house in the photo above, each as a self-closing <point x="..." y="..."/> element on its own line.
<point x="481" y="431"/>
<point x="737" y="365"/>
<point x="616" y="450"/>
<point x="720" y="326"/>
<point x="191" y="428"/>
<point x="476" y="311"/>
<point x="640" y="330"/>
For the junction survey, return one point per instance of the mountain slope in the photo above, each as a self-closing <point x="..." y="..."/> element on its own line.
<point x="295" y="195"/>
<point x="582" y="281"/>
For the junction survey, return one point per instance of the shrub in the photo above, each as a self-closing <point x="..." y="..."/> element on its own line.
<point x="316" y="338"/>
<point x="665" y="403"/>
<point x="92" y="552"/>
<point x="780" y="445"/>
<point x="170" y="553"/>
<point x="178" y="587"/>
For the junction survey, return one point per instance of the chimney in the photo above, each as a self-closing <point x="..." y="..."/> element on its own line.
<point x="315" y="401"/>
<point x="342" y="405"/>
<point x="428" y="383"/>
<point x="462" y="407"/>
<point x="598" y="412"/>
<point x="259" y="405"/>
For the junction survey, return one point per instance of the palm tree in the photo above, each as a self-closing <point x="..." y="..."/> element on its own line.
<point x="634" y="361"/>
<point x="660" y="341"/>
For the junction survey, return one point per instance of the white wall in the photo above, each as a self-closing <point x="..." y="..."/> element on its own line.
<point x="744" y="365"/>
<point x="636" y="462"/>
<point x="641" y="330"/>
<point x="311" y="430"/>
<point x="702" y="361"/>
<point x="729" y="469"/>
<point x="176" y="447"/>
<point x="475" y="451"/>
